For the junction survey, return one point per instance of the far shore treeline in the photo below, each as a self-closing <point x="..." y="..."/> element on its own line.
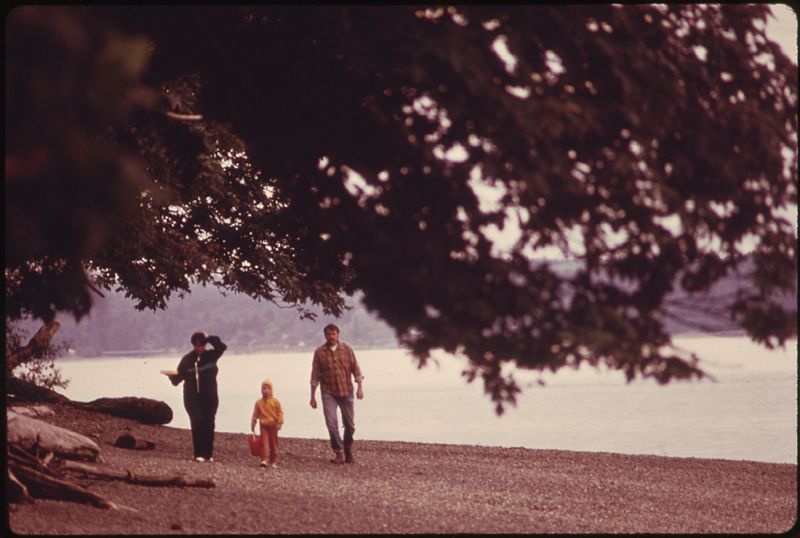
<point x="116" y="328"/>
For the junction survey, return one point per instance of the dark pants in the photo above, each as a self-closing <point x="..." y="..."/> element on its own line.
<point x="202" y="412"/>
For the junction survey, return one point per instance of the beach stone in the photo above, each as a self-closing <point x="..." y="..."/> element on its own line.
<point x="127" y="440"/>
<point x="31" y="433"/>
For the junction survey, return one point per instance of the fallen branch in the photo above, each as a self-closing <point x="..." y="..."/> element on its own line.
<point x="41" y="485"/>
<point x="141" y="479"/>
<point x="20" y="457"/>
<point x="17" y="491"/>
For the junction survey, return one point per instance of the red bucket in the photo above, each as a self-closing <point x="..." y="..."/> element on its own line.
<point x="254" y="442"/>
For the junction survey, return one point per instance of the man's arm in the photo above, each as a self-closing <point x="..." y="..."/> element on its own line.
<point x="314" y="380"/>
<point x="359" y="378"/>
<point x="360" y="389"/>
<point x="313" y="396"/>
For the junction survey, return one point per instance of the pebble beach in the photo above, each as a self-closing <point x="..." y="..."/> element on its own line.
<point x="409" y="488"/>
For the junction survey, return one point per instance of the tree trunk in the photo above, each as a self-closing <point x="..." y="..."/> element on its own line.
<point x="36" y="345"/>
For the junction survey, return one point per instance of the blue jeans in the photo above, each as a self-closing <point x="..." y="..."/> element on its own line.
<point x="329" y="405"/>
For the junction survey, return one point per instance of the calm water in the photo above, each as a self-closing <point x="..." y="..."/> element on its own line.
<point x="750" y="413"/>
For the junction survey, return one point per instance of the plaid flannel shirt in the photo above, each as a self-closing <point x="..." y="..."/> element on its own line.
<point x="332" y="370"/>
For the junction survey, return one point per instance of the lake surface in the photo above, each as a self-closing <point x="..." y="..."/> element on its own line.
<point x="750" y="413"/>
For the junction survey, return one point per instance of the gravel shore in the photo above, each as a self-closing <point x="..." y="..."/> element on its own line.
<point x="402" y="488"/>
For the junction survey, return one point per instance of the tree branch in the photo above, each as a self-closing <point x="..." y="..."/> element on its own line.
<point x="36" y="345"/>
<point x="183" y="117"/>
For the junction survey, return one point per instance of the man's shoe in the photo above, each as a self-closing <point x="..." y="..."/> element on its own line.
<point x="338" y="459"/>
<point x="199" y="459"/>
<point x="348" y="456"/>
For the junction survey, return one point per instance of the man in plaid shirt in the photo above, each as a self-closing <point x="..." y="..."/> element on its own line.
<point x="333" y="365"/>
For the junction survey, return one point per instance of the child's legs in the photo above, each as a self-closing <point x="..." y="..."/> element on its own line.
<point x="264" y="442"/>
<point x="272" y="432"/>
<point x="269" y="443"/>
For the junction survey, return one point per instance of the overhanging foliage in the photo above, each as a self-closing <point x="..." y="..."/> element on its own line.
<point x="653" y="143"/>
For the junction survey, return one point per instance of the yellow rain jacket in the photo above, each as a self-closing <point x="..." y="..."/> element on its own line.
<point x="268" y="412"/>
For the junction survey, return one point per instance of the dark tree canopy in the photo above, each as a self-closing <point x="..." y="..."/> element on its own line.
<point x="298" y="153"/>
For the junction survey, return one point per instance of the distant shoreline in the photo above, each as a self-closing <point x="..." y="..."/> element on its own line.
<point x="232" y="350"/>
<point x="143" y="354"/>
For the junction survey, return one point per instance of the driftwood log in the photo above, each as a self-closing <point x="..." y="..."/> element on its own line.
<point x="145" y="410"/>
<point x="97" y="471"/>
<point x="20" y="391"/>
<point x="38" y="458"/>
<point x="37" y="435"/>
<point x="34" y="411"/>
<point x="31" y="478"/>
<point x="48" y="487"/>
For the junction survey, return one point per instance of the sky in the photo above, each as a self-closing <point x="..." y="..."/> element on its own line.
<point x="781" y="28"/>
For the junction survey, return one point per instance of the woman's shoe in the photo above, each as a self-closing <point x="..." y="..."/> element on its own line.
<point x="263" y="464"/>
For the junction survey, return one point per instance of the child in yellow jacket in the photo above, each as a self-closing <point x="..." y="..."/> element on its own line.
<point x="268" y="413"/>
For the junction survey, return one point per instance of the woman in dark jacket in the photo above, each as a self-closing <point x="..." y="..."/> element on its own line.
<point x="198" y="371"/>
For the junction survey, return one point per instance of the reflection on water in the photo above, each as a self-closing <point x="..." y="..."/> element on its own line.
<point x="750" y="413"/>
